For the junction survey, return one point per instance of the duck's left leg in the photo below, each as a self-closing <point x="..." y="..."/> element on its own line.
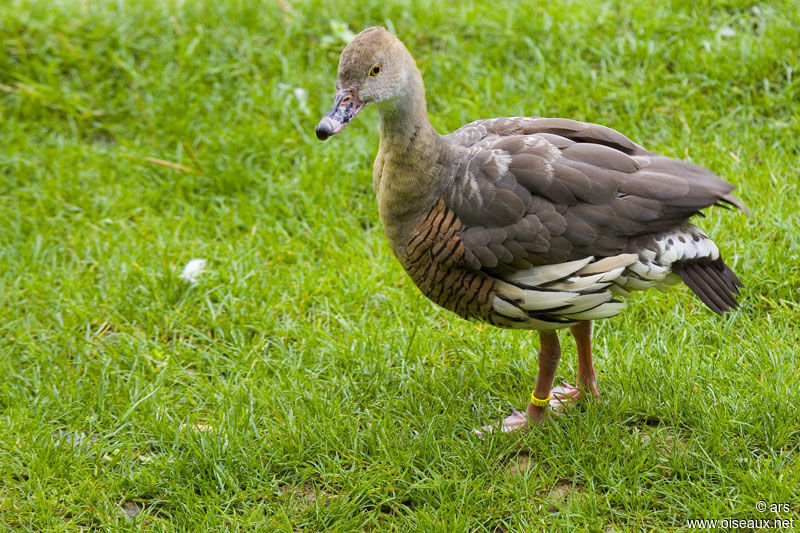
<point x="549" y="354"/>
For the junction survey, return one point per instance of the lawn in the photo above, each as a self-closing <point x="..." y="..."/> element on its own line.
<point x="301" y="382"/>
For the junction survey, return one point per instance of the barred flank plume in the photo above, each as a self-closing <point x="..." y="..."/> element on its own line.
<point x="433" y="260"/>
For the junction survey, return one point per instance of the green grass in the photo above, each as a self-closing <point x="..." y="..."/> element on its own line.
<point x="303" y="382"/>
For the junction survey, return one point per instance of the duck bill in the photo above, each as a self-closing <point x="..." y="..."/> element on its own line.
<point x="345" y="107"/>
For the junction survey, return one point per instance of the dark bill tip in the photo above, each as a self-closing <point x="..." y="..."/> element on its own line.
<point x="346" y="105"/>
<point x="324" y="129"/>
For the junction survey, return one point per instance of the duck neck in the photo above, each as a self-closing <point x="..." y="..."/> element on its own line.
<point x="409" y="164"/>
<point x="406" y="132"/>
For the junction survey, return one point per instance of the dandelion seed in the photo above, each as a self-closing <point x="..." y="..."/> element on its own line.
<point x="301" y="95"/>
<point x="192" y="270"/>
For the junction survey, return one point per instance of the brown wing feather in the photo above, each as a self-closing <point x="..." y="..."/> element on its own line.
<point x="534" y="191"/>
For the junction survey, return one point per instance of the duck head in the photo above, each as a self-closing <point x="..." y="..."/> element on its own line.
<point x="374" y="68"/>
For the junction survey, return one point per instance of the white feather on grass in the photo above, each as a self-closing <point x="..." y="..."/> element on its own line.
<point x="192" y="270"/>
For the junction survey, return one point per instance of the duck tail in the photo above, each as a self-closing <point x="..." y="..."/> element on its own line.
<point x="712" y="281"/>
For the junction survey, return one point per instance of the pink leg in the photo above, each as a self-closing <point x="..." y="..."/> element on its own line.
<point x="587" y="379"/>
<point x="549" y="354"/>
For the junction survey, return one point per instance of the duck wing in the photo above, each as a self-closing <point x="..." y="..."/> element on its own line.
<point x="536" y="191"/>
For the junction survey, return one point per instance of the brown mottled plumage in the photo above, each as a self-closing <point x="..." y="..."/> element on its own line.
<point x="434" y="261"/>
<point x="536" y="223"/>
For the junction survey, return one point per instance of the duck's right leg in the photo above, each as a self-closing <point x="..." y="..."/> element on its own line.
<point x="587" y="379"/>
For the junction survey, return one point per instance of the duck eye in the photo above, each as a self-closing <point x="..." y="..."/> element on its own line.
<point x="375" y="70"/>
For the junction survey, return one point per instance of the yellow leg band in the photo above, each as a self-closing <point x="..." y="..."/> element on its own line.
<point x="539" y="403"/>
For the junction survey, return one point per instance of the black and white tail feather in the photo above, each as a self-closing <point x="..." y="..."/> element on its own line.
<point x="712" y="281"/>
<point x="560" y="295"/>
